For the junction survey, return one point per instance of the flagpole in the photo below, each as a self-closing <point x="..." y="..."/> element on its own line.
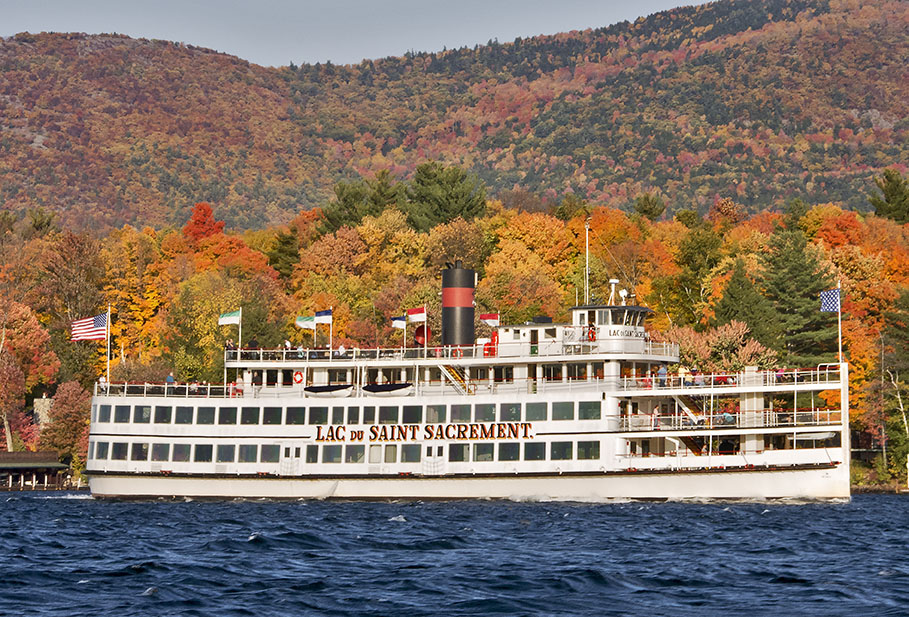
<point x="108" y="342"/>
<point x="331" y="325"/>
<point x="425" y="333"/>
<point x="240" y="332"/>
<point x="839" y="317"/>
<point x="404" y="340"/>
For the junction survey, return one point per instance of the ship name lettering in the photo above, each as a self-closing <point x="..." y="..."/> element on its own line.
<point x="331" y="433"/>
<point x="452" y="432"/>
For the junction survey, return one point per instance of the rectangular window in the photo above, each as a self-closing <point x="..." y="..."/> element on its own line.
<point x="536" y="412"/>
<point x="139" y="452"/>
<point x="312" y="454"/>
<point x="410" y="453"/>
<point x="296" y="415"/>
<point x="118" y="451"/>
<point x="121" y="414"/>
<point x="509" y="412"/>
<point x="162" y="415"/>
<point x="183" y="415"/>
<point x="589" y="410"/>
<point x="337" y="415"/>
<point x="534" y="451"/>
<point x="552" y="372"/>
<point x="482" y="452"/>
<point x="227" y="415"/>
<point x="101" y="451"/>
<point x="142" y="414"/>
<point x="388" y="415"/>
<point x="318" y="415"/>
<point x="247" y="453"/>
<point x="353" y="415"/>
<point x="181" y="452"/>
<point x="369" y="415"/>
<point x="413" y="414"/>
<point x="375" y="454"/>
<point x="331" y="454"/>
<point x="271" y="453"/>
<point x="484" y="412"/>
<point x="460" y="413"/>
<point x="160" y="451"/>
<point x="503" y="374"/>
<point x="205" y="415"/>
<point x="226" y="453"/>
<point x="457" y="452"/>
<point x="563" y="410"/>
<point x="354" y="454"/>
<point x="560" y="450"/>
<point x="588" y="450"/>
<point x="271" y="415"/>
<point x="202" y="453"/>
<point x="509" y="451"/>
<point x="337" y="375"/>
<point x="391" y="453"/>
<point x="435" y="414"/>
<point x="549" y="333"/>
<point x="104" y="413"/>
<point x="249" y="415"/>
<point x="577" y="371"/>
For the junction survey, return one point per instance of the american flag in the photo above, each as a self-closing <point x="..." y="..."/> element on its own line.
<point x="830" y="301"/>
<point x="90" y="328"/>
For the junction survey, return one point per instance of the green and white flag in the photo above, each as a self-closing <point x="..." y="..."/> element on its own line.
<point x="306" y="322"/>
<point x="229" y="318"/>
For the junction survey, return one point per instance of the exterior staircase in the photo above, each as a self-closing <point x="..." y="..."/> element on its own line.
<point x="457" y="378"/>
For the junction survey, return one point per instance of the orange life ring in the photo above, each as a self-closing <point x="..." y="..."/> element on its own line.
<point x="457" y="352"/>
<point x="591" y="334"/>
<point x="298" y="376"/>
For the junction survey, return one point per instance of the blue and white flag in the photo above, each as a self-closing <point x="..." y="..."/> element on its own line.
<point x="830" y="301"/>
<point x="323" y="316"/>
<point x="399" y="322"/>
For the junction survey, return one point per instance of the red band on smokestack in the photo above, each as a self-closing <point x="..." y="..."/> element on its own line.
<point x="457" y="297"/>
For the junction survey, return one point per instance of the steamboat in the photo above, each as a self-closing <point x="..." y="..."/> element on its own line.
<point x="584" y="411"/>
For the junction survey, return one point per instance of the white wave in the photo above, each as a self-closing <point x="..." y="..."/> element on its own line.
<point x="398" y="519"/>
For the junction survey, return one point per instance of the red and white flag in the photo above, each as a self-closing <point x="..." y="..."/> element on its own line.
<point x="417" y="314"/>
<point x="490" y="319"/>
<point x="90" y="328"/>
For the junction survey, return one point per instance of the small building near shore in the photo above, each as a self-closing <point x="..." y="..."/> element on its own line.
<point x="31" y="471"/>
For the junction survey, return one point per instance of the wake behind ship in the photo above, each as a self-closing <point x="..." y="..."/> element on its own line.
<point x="583" y="410"/>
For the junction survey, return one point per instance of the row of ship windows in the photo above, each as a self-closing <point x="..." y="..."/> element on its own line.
<point x="392" y="414"/>
<point x="354" y="453"/>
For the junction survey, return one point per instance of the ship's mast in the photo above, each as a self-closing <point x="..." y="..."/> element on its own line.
<point x="587" y="260"/>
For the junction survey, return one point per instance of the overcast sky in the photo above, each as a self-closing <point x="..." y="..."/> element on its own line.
<point x="277" y="32"/>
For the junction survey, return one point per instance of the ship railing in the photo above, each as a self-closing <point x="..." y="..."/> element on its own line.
<point x="175" y="390"/>
<point x="823" y="374"/>
<point x="762" y="418"/>
<point x="504" y="349"/>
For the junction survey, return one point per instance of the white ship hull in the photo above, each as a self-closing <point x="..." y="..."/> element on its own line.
<point x="814" y="483"/>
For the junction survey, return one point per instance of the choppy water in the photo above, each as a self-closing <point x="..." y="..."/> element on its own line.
<point x="71" y="555"/>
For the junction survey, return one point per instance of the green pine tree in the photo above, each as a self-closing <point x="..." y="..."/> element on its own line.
<point x="742" y="301"/>
<point x="893" y="202"/>
<point x="793" y="280"/>
<point x="285" y="254"/>
<point x="439" y="194"/>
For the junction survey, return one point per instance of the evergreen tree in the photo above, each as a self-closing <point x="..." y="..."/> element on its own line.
<point x="893" y="202"/>
<point x="742" y="302"/>
<point x="285" y="254"/>
<point x="439" y="194"/>
<point x="649" y="206"/>
<point x="358" y="199"/>
<point x="793" y="280"/>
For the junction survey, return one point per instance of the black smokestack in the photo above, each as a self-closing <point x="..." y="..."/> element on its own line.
<point x="457" y="305"/>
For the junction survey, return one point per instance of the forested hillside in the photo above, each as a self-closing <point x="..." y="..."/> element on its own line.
<point x="759" y="102"/>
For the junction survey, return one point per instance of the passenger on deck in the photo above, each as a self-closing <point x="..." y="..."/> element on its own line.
<point x="661" y="375"/>
<point x="102" y="385"/>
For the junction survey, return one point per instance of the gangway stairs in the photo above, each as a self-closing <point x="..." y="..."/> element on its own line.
<point x="686" y="403"/>
<point x="457" y="378"/>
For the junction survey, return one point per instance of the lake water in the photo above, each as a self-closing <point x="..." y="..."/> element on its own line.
<point x="67" y="554"/>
